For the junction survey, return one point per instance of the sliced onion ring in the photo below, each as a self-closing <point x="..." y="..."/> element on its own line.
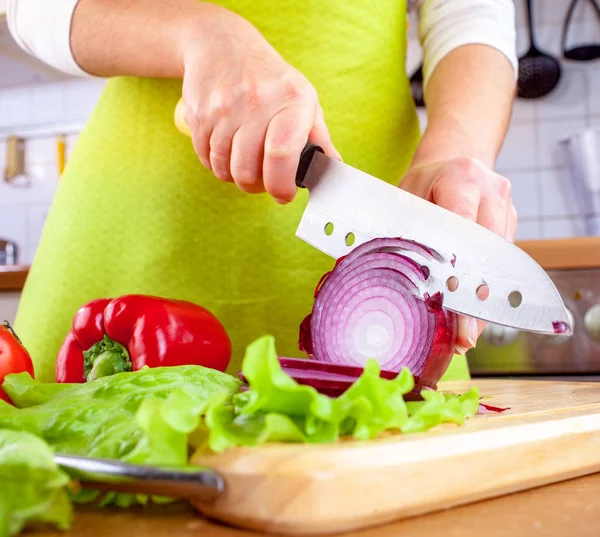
<point x="369" y="306"/>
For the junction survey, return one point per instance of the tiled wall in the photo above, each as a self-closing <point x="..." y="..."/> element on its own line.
<point x="39" y="113"/>
<point x="529" y="156"/>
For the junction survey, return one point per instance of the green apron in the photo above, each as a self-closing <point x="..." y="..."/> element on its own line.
<point x="136" y="212"/>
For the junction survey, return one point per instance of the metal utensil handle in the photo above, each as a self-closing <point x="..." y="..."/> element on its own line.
<point x="104" y="474"/>
<point x="305" y="157"/>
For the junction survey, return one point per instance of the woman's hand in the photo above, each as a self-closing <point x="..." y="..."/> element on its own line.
<point x="469" y="188"/>
<point x="250" y="113"/>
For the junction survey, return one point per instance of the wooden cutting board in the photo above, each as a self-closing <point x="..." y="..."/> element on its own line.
<point x="551" y="433"/>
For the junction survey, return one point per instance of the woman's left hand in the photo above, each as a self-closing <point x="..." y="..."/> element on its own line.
<point x="466" y="187"/>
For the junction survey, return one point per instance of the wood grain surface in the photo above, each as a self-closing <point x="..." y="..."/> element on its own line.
<point x="406" y="485"/>
<point x="551" y="433"/>
<point x="564" y="254"/>
<point x="12" y="277"/>
<point x="570" y="508"/>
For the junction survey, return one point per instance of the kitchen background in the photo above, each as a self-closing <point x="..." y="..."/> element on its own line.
<point x="39" y="105"/>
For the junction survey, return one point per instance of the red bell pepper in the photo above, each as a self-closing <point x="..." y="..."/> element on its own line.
<point x="127" y="333"/>
<point x="14" y="357"/>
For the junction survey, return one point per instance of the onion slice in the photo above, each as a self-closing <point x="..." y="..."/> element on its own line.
<point x="369" y="306"/>
<point x="329" y="379"/>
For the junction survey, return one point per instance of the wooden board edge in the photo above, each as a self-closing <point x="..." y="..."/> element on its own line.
<point x="332" y="503"/>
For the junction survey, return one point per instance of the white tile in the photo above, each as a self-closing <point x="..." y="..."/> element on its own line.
<point x="12" y="195"/>
<point x="81" y="97"/>
<point x="524" y="111"/>
<point x="15" y="106"/>
<point x="594" y="121"/>
<point x="44" y="180"/>
<point x="27" y="255"/>
<point x="48" y="103"/>
<point x="519" y="149"/>
<point x="36" y="215"/>
<point x="14" y="73"/>
<point x="525" y="193"/>
<point x="562" y="228"/>
<point x="585" y="11"/>
<point x="40" y="151"/>
<point x="422" y="114"/>
<point x="558" y="198"/>
<point x="9" y="303"/>
<point x="529" y="230"/>
<point x="37" y="186"/>
<point x="549" y="133"/>
<point x="550" y="10"/>
<point x="568" y="98"/>
<point x="414" y="57"/>
<point x="13" y="225"/>
<point x="548" y="38"/>
<point x="520" y="14"/>
<point x="71" y="141"/>
<point x="593" y="75"/>
<point x="2" y="159"/>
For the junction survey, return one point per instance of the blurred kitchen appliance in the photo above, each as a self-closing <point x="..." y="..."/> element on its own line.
<point x="581" y="153"/>
<point x="8" y="252"/>
<point x="574" y="267"/>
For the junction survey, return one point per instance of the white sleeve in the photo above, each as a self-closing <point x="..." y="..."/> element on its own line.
<point x="42" y="28"/>
<point x="448" y="24"/>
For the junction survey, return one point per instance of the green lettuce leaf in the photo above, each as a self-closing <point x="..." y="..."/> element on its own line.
<point x="278" y="409"/>
<point x="33" y="490"/>
<point x="140" y="417"/>
<point x="27" y="392"/>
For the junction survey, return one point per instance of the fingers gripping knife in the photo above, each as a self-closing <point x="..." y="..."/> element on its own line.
<point x="519" y="292"/>
<point x="347" y="203"/>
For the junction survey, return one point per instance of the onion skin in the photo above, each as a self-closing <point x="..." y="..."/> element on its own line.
<point x="370" y="300"/>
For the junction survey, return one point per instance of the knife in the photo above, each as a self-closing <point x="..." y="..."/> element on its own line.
<point x="113" y="475"/>
<point x="346" y="203"/>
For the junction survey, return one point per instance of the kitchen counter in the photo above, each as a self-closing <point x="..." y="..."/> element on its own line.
<point x="12" y="277"/>
<point x="568" y="508"/>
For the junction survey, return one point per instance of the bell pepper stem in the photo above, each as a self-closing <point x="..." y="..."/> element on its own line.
<point x="105" y="358"/>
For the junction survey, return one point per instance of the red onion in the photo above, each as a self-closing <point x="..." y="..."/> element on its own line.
<point x="329" y="379"/>
<point x="483" y="408"/>
<point x="369" y="306"/>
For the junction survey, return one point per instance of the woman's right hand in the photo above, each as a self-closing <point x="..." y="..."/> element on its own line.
<point x="250" y="112"/>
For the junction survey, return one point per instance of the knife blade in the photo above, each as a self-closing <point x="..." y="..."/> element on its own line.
<point x="198" y="483"/>
<point x="347" y="203"/>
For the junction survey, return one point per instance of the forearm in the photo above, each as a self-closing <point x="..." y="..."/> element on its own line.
<point x="115" y="37"/>
<point x="469" y="101"/>
<point x="135" y="37"/>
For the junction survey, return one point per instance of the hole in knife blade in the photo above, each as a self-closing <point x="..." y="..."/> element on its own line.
<point x="329" y="228"/>
<point x="515" y="298"/>
<point x="483" y="292"/>
<point x="350" y="238"/>
<point x="452" y="283"/>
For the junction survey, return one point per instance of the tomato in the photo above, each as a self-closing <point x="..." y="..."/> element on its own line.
<point x="14" y="358"/>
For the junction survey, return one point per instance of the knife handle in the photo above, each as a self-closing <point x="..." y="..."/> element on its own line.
<point x="305" y="157"/>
